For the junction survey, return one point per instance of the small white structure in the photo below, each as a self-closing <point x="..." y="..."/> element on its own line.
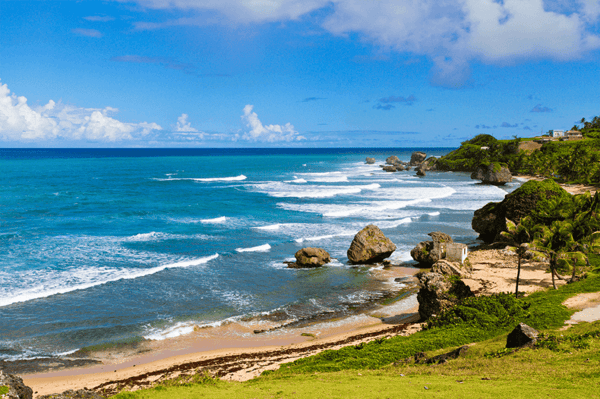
<point x="558" y="133"/>
<point x="456" y="252"/>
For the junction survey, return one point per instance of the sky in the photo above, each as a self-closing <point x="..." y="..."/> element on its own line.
<point x="293" y="73"/>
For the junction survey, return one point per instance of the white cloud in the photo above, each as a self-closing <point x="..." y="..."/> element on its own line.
<point x="20" y="122"/>
<point x="88" y="32"/>
<point x="269" y="133"/>
<point x="452" y="33"/>
<point x="183" y="125"/>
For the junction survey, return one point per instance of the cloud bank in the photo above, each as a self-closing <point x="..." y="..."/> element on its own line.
<point x="20" y="122"/>
<point x="451" y="33"/>
<point x="270" y="133"/>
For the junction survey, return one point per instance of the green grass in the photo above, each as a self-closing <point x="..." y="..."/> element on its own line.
<point x="4" y="390"/>
<point x="527" y="373"/>
<point x="565" y="365"/>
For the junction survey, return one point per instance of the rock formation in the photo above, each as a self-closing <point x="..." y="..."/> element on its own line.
<point x="417" y="158"/>
<point x="370" y="161"/>
<point x="389" y="168"/>
<point x="392" y="160"/>
<point x="529" y="199"/>
<point x="429" y="252"/>
<point x="370" y="245"/>
<point x="310" y="257"/>
<point x="495" y="173"/>
<point x="420" y="172"/>
<point x="16" y="388"/>
<point x="428" y="164"/>
<point x="448" y="268"/>
<point x="438" y="293"/>
<point x="522" y="335"/>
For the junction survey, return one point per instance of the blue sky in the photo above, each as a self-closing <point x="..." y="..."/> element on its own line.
<point x="291" y="73"/>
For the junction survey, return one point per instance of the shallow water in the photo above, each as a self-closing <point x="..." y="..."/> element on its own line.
<point x="102" y="245"/>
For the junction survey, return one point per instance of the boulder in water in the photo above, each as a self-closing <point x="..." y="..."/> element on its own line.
<point x="310" y="257"/>
<point x="370" y="245"/>
<point x="370" y="161"/>
<point x="417" y="158"/>
<point x="495" y="173"/>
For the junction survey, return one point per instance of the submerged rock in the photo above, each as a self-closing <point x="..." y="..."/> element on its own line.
<point x="522" y="335"/>
<point x="390" y="168"/>
<point x="16" y="388"/>
<point x="495" y="173"/>
<point x="438" y="293"/>
<point x="312" y="257"/>
<point x="428" y="164"/>
<point x="420" y="172"/>
<point x="370" y="161"/>
<point x="370" y="245"/>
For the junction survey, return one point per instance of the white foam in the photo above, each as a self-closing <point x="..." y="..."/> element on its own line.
<point x="284" y="190"/>
<point x="88" y="277"/>
<point x="221" y="219"/>
<point x="369" y="209"/>
<point x="269" y="227"/>
<point x="298" y="181"/>
<point x="434" y="214"/>
<point x="158" y="236"/>
<point x="260" y="248"/>
<point x="206" y="179"/>
<point x="325" y="237"/>
<point x="390" y="224"/>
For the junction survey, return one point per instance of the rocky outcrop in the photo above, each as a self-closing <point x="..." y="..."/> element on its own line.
<point x="429" y="252"/>
<point x="417" y="158"/>
<point x="438" y="293"/>
<point x="390" y="168"/>
<point x="392" y="160"/>
<point x="448" y="268"/>
<point x="495" y="173"/>
<point x="428" y="164"/>
<point x="71" y="394"/>
<point x="529" y="199"/>
<point x="522" y="335"/>
<point x="370" y="161"/>
<point x="370" y="245"/>
<point x="16" y="388"/>
<point x="310" y="257"/>
<point x="420" y="172"/>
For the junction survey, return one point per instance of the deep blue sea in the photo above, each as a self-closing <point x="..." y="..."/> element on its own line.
<point x="101" y="245"/>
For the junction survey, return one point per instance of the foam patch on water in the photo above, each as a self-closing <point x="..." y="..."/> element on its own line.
<point x="372" y="209"/>
<point x="269" y="227"/>
<point x="260" y="248"/>
<point x="284" y="190"/>
<point x="45" y="283"/>
<point x="157" y="236"/>
<point x="221" y="219"/>
<point x="206" y="179"/>
<point x="390" y="224"/>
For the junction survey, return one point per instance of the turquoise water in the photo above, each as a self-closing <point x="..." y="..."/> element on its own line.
<point x="101" y="245"/>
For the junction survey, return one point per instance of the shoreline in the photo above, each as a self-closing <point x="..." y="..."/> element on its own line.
<point x="573" y="189"/>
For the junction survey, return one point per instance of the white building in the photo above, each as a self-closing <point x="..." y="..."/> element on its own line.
<point x="558" y="133"/>
<point x="456" y="252"/>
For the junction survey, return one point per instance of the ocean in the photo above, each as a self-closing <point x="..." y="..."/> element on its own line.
<point x="101" y="245"/>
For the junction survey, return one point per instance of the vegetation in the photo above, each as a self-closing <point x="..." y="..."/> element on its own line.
<point x="4" y="390"/>
<point x="569" y="161"/>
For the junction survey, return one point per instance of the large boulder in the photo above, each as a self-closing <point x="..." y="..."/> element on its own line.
<point x="417" y="158"/>
<point x="522" y="335"/>
<point x="495" y="173"/>
<point x="310" y="257"/>
<point x="370" y="161"/>
<point x="370" y="245"/>
<point x="438" y="293"/>
<point x="16" y="388"/>
<point x="390" y="168"/>
<point x="420" y="172"/>
<point x="429" y="252"/>
<point x="532" y="198"/>
<point x="392" y="160"/>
